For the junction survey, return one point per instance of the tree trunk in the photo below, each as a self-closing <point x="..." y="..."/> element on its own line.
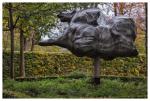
<point x="25" y="48"/>
<point x="32" y="42"/>
<point x="22" y="68"/>
<point x="11" y="28"/>
<point x="121" y="8"/>
<point x="146" y="27"/>
<point x="96" y="78"/>
<point x="115" y="9"/>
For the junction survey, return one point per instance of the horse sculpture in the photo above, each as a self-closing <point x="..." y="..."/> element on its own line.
<point x="91" y="34"/>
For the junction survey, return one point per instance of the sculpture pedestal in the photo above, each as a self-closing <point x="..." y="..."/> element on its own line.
<point x="96" y="81"/>
<point x="96" y="64"/>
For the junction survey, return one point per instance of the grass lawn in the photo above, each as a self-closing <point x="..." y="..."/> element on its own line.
<point x="74" y="88"/>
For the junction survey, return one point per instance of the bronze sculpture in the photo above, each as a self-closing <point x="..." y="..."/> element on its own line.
<point x="91" y="34"/>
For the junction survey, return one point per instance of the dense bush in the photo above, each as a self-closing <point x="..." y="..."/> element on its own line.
<point x="58" y="64"/>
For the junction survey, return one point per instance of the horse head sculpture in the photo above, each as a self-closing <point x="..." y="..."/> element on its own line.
<point x="91" y="34"/>
<point x="86" y="36"/>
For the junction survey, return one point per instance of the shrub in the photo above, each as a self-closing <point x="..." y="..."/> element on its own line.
<point x="60" y="64"/>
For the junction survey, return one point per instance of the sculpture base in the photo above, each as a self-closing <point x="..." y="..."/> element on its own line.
<point x="96" y="81"/>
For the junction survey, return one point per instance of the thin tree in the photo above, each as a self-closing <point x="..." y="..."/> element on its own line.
<point x="146" y="26"/>
<point x="121" y="8"/>
<point x="22" y="67"/>
<point x="32" y="40"/>
<point x="11" y="28"/>
<point x="115" y="9"/>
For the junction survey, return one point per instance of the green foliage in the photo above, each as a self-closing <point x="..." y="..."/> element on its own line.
<point x="59" y="64"/>
<point x="39" y="17"/>
<point x="74" y="88"/>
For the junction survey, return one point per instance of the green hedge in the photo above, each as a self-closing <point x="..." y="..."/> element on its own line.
<point x="60" y="64"/>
